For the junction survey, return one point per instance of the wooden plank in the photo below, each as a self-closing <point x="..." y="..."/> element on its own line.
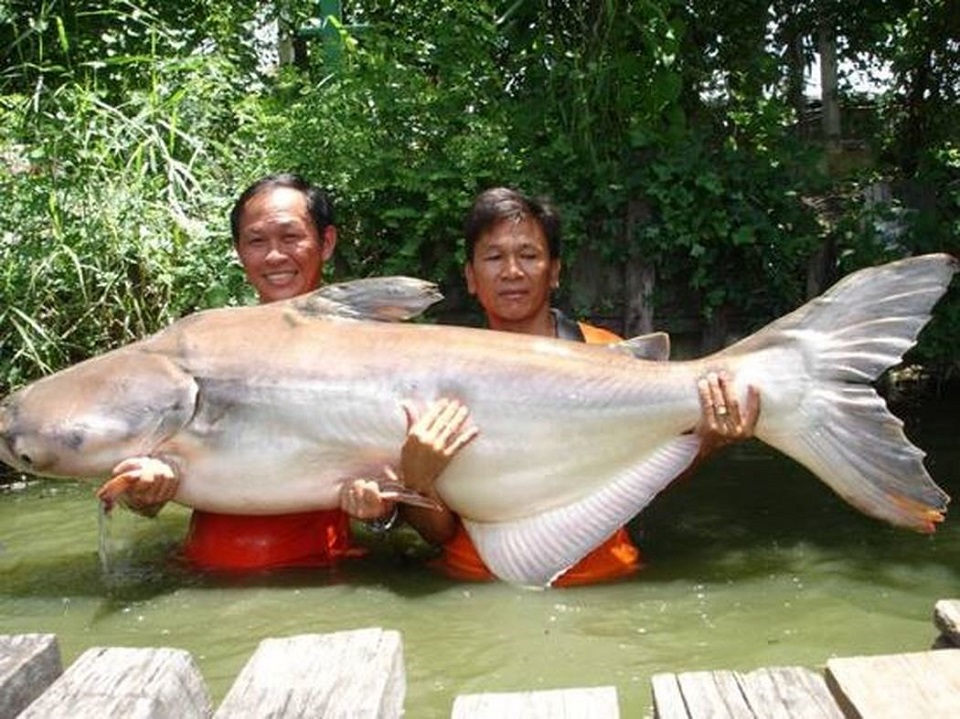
<point x="355" y="674"/>
<point x="789" y="693"/>
<point x="946" y="617"/>
<point x="667" y="698"/>
<point x="126" y="682"/>
<point x="585" y="703"/>
<point x="29" y="663"/>
<point x="770" y="693"/>
<point x="918" y="685"/>
<point x="714" y="694"/>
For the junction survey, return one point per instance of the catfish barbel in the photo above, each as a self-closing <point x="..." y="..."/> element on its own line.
<point x="270" y="409"/>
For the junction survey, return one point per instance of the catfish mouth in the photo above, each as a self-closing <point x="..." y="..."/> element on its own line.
<point x="12" y="455"/>
<point x="6" y="443"/>
<point x="16" y="451"/>
<point x="33" y="454"/>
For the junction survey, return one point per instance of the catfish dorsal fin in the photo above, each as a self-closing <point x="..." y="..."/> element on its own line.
<point x="386" y="299"/>
<point x="654" y="346"/>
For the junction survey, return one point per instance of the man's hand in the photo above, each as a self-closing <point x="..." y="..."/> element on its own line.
<point x="432" y="441"/>
<point x="144" y="484"/>
<point x="362" y="499"/>
<point x="722" y="422"/>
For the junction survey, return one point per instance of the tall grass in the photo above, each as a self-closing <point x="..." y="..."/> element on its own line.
<point x="113" y="208"/>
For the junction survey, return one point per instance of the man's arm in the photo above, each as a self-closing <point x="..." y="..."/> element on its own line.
<point x="432" y="442"/>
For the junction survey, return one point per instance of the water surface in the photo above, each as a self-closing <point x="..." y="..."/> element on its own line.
<point x="752" y="562"/>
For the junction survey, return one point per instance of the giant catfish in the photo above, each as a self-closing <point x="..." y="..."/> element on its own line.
<point x="269" y="409"/>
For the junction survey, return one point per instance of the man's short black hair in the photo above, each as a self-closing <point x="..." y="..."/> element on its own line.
<point x="319" y="206"/>
<point x="501" y="203"/>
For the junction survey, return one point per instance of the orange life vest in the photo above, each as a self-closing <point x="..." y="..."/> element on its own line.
<point x="616" y="558"/>
<point x="242" y="542"/>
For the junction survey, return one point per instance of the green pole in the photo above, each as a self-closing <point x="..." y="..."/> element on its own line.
<point x="329" y="33"/>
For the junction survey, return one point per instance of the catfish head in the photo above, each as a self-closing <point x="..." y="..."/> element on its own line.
<point x="82" y="421"/>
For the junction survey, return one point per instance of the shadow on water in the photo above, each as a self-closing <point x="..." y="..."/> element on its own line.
<point x="52" y="529"/>
<point x="138" y="558"/>
<point x="394" y="563"/>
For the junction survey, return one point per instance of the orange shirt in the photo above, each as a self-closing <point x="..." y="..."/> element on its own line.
<point x="616" y="558"/>
<point x="243" y="542"/>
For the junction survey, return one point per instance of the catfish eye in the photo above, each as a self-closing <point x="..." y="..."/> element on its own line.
<point x="25" y="458"/>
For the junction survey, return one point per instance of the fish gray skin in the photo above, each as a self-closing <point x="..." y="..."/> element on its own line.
<point x="269" y="409"/>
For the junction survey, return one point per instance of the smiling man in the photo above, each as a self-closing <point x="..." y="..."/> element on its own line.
<point x="283" y="234"/>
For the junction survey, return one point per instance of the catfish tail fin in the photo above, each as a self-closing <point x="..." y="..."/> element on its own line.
<point x="820" y="407"/>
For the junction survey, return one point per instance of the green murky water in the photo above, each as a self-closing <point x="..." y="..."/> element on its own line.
<point x="752" y="563"/>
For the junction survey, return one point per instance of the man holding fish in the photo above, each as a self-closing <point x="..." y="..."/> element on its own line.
<point x="283" y="232"/>
<point x="513" y="265"/>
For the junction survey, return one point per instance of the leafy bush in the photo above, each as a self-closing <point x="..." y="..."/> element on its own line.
<point x="113" y="216"/>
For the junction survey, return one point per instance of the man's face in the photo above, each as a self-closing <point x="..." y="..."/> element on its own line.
<point x="511" y="272"/>
<point x="281" y="251"/>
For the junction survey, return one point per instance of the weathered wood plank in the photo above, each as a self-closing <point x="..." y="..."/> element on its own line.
<point x="713" y="694"/>
<point x="126" y="682"/>
<point x="587" y="702"/>
<point x="355" y="674"/>
<point x="788" y="693"/>
<point x="770" y="693"/>
<point x="918" y="685"/>
<point x="29" y="663"/>
<point x="667" y="698"/>
<point x="946" y="617"/>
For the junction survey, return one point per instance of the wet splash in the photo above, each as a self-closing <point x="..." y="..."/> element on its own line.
<point x="129" y="555"/>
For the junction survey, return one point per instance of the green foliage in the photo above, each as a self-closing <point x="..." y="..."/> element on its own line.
<point x="923" y="104"/>
<point x="113" y="45"/>
<point x="113" y="215"/>
<point x="927" y="220"/>
<point x="663" y="131"/>
<point x="404" y="133"/>
<point x="729" y="222"/>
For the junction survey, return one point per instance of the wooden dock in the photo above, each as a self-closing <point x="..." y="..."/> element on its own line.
<point x="360" y="674"/>
<point x="918" y="685"/>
